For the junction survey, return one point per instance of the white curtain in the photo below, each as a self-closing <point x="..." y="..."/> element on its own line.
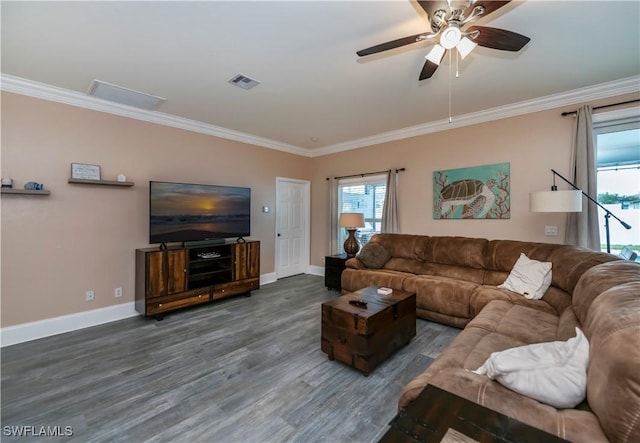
<point x="390" y="209"/>
<point x="583" y="227"/>
<point x="333" y="216"/>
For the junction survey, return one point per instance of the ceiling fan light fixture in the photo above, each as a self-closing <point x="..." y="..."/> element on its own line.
<point x="465" y="47"/>
<point x="436" y="54"/>
<point x="450" y="37"/>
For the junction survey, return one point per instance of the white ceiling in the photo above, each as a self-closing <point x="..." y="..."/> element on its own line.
<point x="313" y="85"/>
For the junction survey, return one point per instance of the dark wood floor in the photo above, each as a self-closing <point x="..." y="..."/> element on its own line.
<point x="239" y="370"/>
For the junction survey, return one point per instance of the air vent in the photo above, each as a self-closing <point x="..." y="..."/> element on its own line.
<point x="119" y="94"/>
<point x="244" y="82"/>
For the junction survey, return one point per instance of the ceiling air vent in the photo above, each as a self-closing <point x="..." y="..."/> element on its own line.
<point x="244" y="82"/>
<point x="118" y="94"/>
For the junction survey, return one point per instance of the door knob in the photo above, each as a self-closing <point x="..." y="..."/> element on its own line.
<point x="278" y="234"/>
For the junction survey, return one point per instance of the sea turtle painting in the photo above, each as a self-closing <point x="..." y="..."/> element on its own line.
<point x="476" y="195"/>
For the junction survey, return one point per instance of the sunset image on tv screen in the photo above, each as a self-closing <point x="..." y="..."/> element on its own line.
<point x="191" y="212"/>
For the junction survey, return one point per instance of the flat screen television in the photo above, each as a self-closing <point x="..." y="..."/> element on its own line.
<point x="182" y="212"/>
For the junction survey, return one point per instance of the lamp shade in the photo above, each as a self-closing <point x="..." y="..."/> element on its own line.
<point x="351" y="220"/>
<point x="555" y="201"/>
<point x="436" y="54"/>
<point x="465" y="47"/>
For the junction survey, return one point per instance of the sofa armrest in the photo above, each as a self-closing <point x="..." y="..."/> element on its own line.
<point x="570" y="424"/>
<point x="354" y="263"/>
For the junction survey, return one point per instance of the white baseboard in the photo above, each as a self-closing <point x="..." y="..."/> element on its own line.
<point x="316" y="270"/>
<point x="12" y="335"/>
<point x="265" y="279"/>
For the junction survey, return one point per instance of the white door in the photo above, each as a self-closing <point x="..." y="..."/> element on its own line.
<point x="292" y="226"/>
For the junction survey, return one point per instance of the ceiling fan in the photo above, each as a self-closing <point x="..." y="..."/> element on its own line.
<point x="448" y="20"/>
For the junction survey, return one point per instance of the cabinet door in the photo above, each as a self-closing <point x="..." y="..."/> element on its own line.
<point x="156" y="274"/>
<point x="177" y="271"/>
<point x="246" y="260"/>
<point x="166" y="272"/>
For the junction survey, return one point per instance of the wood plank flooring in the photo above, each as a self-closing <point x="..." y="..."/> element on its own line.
<point x="245" y="369"/>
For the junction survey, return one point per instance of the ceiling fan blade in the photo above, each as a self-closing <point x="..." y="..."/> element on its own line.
<point x="489" y="7"/>
<point x="428" y="70"/>
<point x="495" y="38"/>
<point x="391" y="45"/>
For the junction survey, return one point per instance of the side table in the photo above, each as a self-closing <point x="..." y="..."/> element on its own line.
<point x="333" y="267"/>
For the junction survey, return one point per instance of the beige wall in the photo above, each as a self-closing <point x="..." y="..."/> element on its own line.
<point x="84" y="237"/>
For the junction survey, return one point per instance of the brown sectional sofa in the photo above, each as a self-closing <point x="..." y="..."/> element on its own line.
<point x="455" y="280"/>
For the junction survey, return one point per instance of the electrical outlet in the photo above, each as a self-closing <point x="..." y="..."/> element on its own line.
<point x="322" y="260"/>
<point x="91" y="295"/>
<point x="118" y="292"/>
<point x="551" y="231"/>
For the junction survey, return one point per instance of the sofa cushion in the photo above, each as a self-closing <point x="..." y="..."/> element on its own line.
<point x="441" y="294"/>
<point x="531" y="278"/>
<point x="567" y="324"/>
<point x="402" y="245"/>
<point x="483" y="295"/>
<point x="554" y="372"/>
<point x="353" y="280"/>
<point x="501" y="255"/>
<point x="473" y="275"/>
<point x="457" y="251"/>
<point x="374" y="255"/>
<point x="445" y="319"/>
<point x="403" y="265"/>
<point x="523" y="324"/>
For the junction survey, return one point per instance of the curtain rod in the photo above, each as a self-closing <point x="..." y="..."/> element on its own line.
<point x="603" y="106"/>
<point x="365" y="174"/>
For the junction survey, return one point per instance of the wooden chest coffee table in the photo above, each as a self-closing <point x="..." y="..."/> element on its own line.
<point x="363" y="337"/>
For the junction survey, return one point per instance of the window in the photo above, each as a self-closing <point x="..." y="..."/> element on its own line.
<point x="366" y="195"/>
<point x="617" y="138"/>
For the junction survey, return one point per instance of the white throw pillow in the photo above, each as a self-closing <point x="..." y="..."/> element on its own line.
<point x="554" y="373"/>
<point x="530" y="278"/>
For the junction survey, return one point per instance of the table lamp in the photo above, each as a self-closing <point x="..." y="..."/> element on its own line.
<point x="351" y="221"/>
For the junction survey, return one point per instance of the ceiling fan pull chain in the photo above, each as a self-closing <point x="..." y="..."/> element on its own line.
<point x="449" y="86"/>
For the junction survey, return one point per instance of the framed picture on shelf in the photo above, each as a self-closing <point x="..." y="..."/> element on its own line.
<point x="84" y="171"/>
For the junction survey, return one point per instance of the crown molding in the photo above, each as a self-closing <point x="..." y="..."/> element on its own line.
<point x="43" y="91"/>
<point x="576" y="96"/>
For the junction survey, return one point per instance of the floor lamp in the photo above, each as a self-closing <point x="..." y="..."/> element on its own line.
<point x="568" y="201"/>
<point x="351" y="221"/>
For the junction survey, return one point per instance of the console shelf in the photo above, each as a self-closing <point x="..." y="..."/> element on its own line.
<point x="79" y="181"/>
<point x="25" y="191"/>
<point x="179" y="276"/>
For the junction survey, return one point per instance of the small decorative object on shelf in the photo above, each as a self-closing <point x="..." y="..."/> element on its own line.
<point x="84" y="171"/>
<point x="34" y="186"/>
<point x="30" y="188"/>
<point x="122" y="178"/>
